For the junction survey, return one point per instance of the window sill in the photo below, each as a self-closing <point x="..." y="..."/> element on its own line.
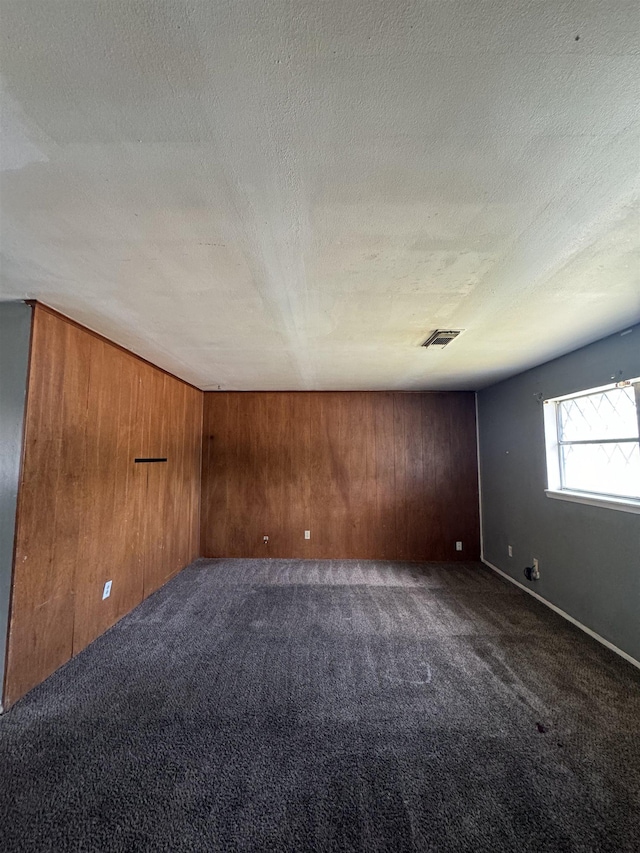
<point x="621" y="504"/>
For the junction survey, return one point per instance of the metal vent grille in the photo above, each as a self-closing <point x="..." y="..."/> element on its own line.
<point x="441" y="337"/>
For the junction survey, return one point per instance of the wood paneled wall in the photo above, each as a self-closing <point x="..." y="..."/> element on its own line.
<point x="370" y="474"/>
<point x="87" y="513"/>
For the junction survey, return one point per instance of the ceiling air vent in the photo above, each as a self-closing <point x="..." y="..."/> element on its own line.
<point x="441" y="337"/>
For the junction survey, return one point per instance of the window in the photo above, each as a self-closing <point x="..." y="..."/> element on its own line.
<point x="593" y="446"/>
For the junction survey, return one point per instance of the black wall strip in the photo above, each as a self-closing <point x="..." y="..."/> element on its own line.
<point x="158" y="459"/>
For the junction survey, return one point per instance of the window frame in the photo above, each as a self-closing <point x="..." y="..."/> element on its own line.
<point x="553" y="445"/>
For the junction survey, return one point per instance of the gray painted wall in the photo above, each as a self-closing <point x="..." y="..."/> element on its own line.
<point x="589" y="556"/>
<point x="15" y="333"/>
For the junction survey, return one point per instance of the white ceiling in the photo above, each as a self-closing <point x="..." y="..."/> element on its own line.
<point x="292" y="195"/>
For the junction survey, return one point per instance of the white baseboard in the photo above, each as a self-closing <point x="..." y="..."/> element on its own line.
<point x="566" y="616"/>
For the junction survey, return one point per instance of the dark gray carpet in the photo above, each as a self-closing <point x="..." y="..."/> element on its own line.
<point x="275" y="705"/>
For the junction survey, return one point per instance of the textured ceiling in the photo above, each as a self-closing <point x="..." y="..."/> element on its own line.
<point x="292" y="195"/>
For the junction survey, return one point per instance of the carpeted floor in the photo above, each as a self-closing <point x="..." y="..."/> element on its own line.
<point x="281" y="705"/>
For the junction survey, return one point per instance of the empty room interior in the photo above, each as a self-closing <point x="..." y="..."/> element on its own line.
<point x="320" y="426"/>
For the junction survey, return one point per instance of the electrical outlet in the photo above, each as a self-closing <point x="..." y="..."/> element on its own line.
<point x="106" y="592"/>
<point x="265" y="539"/>
<point x="307" y="534"/>
<point x="510" y="549"/>
<point x="535" y="574"/>
<point x="458" y="546"/>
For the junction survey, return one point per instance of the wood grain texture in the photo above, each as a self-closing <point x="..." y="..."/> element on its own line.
<point x="386" y="475"/>
<point x="87" y="513"/>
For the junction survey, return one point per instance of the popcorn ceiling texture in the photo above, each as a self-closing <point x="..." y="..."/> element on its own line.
<point x="292" y="195"/>
<point x="285" y="705"/>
